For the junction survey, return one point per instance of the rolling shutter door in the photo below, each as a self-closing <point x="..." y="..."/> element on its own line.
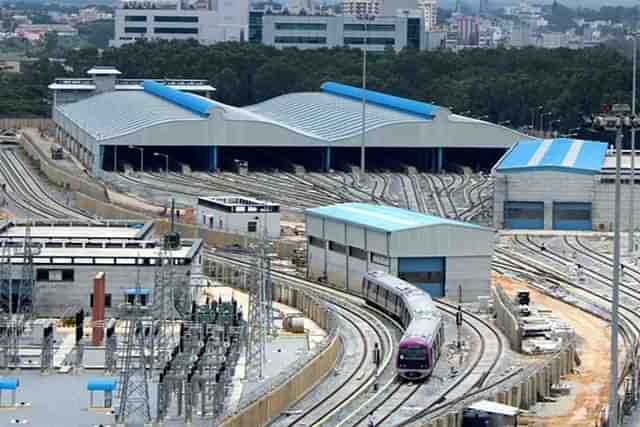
<point x="571" y="216"/>
<point x="427" y="274"/>
<point x="524" y="215"/>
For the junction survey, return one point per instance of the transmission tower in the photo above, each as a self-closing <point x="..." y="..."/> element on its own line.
<point x="133" y="392"/>
<point x="260" y="307"/>
<point x="163" y="311"/>
<point x="26" y="291"/>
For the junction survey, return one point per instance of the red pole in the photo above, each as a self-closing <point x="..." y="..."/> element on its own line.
<point x="97" y="314"/>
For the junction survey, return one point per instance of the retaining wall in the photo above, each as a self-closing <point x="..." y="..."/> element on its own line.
<point x="57" y="175"/>
<point x="275" y="402"/>
<point x="16" y="123"/>
<point x="505" y="318"/>
<point x="522" y="390"/>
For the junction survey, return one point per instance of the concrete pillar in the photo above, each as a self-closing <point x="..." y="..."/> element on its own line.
<point x="440" y="158"/>
<point x="327" y="159"/>
<point x="212" y="164"/>
<point x="97" y="313"/>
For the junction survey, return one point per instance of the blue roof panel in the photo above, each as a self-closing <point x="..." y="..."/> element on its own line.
<point x="561" y="153"/>
<point x="556" y="152"/>
<point x="422" y="109"/>
<point x="520" y="153"/>
<point x="385" y="218"/>
<point x="196" y="104"/>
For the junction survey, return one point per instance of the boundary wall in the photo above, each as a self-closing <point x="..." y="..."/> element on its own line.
<point x="296" y="386"/>
<point x="506" y="320"/>
<point x="16" y="123"/>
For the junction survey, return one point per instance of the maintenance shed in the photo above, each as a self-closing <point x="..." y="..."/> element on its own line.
<point x="436" y="254"/>
<point x="554" y="184"/>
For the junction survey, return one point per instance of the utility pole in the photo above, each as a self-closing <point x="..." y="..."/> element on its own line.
<point x="633" y="150"/>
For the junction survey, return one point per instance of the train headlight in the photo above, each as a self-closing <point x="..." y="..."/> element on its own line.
<point x="401" y="357"/>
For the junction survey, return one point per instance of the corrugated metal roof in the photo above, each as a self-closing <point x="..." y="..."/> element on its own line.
<point x="111" y="114"/>
<point x="495" y="408"/>
<point x="385" y="218"/>
<point x="327" y="116"/>
<point x="561" y="153"/>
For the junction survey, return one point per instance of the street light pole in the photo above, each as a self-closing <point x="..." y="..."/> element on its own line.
<point x="613" y="380"/>
<point x="633" y="149"/>
<point x="364" y="100"/>
<point x="141" y="156"/>
<point x="166" y="160"/>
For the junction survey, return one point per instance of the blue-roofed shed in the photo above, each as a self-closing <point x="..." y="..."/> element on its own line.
<point x="437" y="254"/>
<point x="552" y="184"/>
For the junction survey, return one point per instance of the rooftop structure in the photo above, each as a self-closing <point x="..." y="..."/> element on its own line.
<point x="161" y="118"/>
<point x="345" y="241"/>
<point x="107" y="78"/>
<point x="559" y="154"/>
<point x="383" y="218"/>
<point x="71" y="230"/>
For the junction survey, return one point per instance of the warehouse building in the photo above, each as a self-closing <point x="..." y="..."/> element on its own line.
<point x="438" y="255"/>
<point x="318" y="130"/>
<point x="559" y="184"/>
<point x="66" y="259"/>
<point x="239" y="215"/>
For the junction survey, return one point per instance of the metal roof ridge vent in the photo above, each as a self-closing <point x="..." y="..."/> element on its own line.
<point x="572" y="154"/>
<point x="195" y="104"/>
<point x="418" y="108"/>
<point x="540" y="152"/>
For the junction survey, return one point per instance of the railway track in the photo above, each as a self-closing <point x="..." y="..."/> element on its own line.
<point x="483" y="364"/>
<point x="26" y="191"/>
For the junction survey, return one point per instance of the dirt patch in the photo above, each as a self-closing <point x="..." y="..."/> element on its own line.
<point x="591" y="384"/>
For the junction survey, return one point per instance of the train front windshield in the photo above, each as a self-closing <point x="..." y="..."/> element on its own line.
<point x="413" y="353"/>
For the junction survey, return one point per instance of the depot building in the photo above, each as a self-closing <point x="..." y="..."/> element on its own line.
<point x="560" y="184"/>
<point x="436" y="254"/>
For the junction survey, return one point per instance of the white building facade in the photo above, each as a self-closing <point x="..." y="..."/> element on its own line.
<point x="239" y="215"/>
<point x="218" y="21"/>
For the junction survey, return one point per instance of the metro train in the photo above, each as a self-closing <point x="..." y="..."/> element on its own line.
<point x="421" y="344"/>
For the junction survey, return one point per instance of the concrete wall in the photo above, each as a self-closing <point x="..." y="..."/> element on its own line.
<point x="473" y="273"/>
<point x="603" y="206"/>
<point x="301" y="382"/>
<point x="55" y="298"/>
<point x="238" y="222"/>
<point x="56" y="175"/>
<point x="9" y="123"/>
<point x="505" y="318"/>
<point x="541" y="186"/>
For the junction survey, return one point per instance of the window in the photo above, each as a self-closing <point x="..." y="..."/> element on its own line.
<point x="138" y="30"/>
<point x="57" y="275"/>
<point x="175" y="18"/>
<point x="413" y="33"/>
<point x="211" y="222"/>
<point x="220" y="225"/>
<point x="357" y="253"/>
<point x="303" y="26"/>
<point x="387" y="41"/>
<point x="165" y="30"/>
<point x="337" y="247"/>
<point x="314" y="241"/>
<point x="135" y="18"/>
<point x="252" y="226"/>
<point x="370" y="27"/>
<point x="379" y="259"/>
<point x="300" y="40"/>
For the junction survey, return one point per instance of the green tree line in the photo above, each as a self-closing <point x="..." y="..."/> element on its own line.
<point x="501" y="84"/>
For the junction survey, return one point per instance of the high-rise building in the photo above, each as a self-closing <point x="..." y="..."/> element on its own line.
<point x="362" y="7"/>
<point x="207" y="21"/>
<point x="468" y="30"/>
<point x="430" y="13"/>
<point x="484" y="7"/>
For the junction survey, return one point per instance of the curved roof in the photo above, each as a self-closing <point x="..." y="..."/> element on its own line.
<point x="196" y="104"/>
<point x="561" y="154"/>
<point x="112" y="114"/>
<point x="327" y="116"/>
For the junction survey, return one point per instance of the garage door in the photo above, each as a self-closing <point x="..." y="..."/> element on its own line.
<point x="524" y="215"/>
<point x="427" y="274"/>
<point x="571" y="216"/>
